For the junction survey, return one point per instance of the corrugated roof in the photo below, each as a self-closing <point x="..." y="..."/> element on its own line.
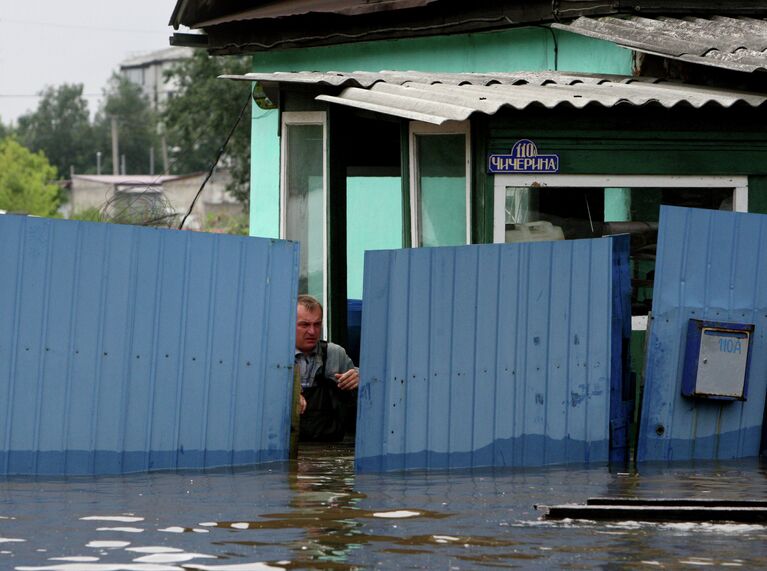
<point x="733" y="43"/>
<point x="437" y="98"/>
<point x="302" y="7"/>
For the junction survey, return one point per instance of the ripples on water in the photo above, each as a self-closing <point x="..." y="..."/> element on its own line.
<point x="316" y="514"/>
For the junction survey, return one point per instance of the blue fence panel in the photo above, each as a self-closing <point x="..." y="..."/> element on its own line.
<point x="126" y="349"/>
<point x="711" y="265"/>
<point x="493" y="355"/>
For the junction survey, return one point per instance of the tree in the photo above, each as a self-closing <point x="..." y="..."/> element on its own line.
<point x="26" y="180"/>
<point x="202" y="112"/>
<point x="60" y="127"/>
<point x="136" y="126"/>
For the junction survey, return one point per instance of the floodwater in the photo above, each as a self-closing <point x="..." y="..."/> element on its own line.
<point x="315" y="513"/>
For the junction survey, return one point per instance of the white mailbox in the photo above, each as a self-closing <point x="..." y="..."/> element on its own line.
<point x="716" y="360"/>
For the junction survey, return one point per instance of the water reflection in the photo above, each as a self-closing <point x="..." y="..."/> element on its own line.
<point x="315" y="513"/>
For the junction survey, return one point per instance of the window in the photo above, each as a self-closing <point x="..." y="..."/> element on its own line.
<point x="440" y="198"/>
<point x="551" y="207"/>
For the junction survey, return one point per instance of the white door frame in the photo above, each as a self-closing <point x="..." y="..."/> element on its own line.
<point x="307" y="118"/>
<point x="448" y="128"/>
<point x="739" y="184"/>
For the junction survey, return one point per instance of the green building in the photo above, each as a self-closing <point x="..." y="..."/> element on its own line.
<point x="410" y="123"/>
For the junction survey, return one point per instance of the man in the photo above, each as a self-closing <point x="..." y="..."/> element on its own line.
<point x="328" y="378"/>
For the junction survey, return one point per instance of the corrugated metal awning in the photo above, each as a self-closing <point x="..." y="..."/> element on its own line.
<point x="437" y="98"/>
<point x="303" y="7"/>
<point x="732" y="43"/>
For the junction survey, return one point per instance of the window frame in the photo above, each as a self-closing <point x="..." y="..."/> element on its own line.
<point x="448" y="128"/>
<point x="287" y="119"/>
<point x="739" y="184"/>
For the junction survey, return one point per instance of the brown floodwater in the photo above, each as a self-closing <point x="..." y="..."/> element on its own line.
<point x="316" y="513"/>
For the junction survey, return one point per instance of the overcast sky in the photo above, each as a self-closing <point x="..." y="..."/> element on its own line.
<point x="50" y="42"/>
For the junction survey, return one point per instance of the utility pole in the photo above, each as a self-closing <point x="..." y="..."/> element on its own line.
<point x="98" y="162"/>
<point x="165" y="165"/>
<point x="151" y="160"/>
<point x="115" y="149"/>
<point x="122" y="165"/>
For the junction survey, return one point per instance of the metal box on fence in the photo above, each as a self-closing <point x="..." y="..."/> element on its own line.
<point x="716" y="360"/>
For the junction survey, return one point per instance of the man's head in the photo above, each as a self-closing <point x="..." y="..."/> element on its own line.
<point x="308" y="323"/>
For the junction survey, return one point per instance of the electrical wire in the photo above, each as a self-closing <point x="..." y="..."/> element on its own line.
<point x="80" y="27"/>
<point x="556" y="45"/>
<point x="215" y="161"/>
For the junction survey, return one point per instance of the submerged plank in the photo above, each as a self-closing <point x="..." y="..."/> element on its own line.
<point x="704" y="502"/>
<point x="655" y="513"/>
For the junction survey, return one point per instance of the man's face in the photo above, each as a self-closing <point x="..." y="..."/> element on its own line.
<point x="308" y="328"/>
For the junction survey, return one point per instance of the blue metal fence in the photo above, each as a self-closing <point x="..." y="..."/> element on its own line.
<point x="127" y="349"/>
<point x="493" y="355"/>
<point x="711" y="265"/>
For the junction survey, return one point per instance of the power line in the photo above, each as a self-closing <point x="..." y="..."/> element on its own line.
<point x="37" y="95"/>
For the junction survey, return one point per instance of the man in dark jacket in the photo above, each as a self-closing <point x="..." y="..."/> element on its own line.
<point x="328" y="378"/>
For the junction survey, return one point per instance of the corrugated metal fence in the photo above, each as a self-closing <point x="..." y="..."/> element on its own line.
<point x="127" y="349"/>
<point x="494" y="355"/>
<point x="711" y="265"/>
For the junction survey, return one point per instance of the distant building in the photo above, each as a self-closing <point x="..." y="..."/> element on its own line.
<point x="168" y="196"/>
<point x="148" y="71"/>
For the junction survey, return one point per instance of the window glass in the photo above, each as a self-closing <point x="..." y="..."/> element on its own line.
<point x="551" y="213"/>
<point x="441" y="189"/>
<point x="304" y="204"/>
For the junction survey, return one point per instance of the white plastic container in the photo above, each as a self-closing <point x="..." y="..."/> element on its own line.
<point x="539" y="231"/>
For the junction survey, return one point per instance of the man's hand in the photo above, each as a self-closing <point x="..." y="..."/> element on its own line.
<point x="348" y="380"/>
<point x="301" y="404"/>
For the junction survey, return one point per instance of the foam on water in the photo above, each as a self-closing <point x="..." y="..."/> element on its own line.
<point x="119" y="518"/>
<point x="107" y="544"/>
<point x="122" y="529"/>
<point x="154" y="549"/>
<point x="172" y="557"/>
<point x="101" y="567"/>
<point x="397" y="514"/>
<point x="173" y="529"/>
<point x="235" y="567"/>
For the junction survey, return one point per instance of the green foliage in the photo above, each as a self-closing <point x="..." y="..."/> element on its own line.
<point x="91" y="214"/>
<point x="136" y="126"/>
<point x="227" y="223"/>
<point x="60" y="127"/>
<point x="25" y="180"/>
<point x="199" y="117"/>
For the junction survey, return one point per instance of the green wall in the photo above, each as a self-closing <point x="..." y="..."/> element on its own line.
<point x="265" y="174"/>
<point x="523" y="49"/>
<point x="376" y="228"/>
<point x="757" y="194"/>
